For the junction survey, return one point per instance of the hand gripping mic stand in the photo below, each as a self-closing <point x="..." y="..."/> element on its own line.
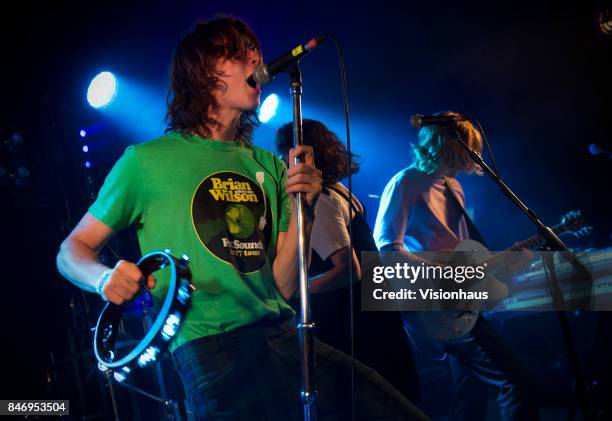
<point x="552" y="242"/>
<point x="306" y="326"/>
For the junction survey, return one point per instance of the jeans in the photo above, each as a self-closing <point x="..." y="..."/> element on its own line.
<point x="482" y="359"/>
<point x="254" y="373"/>
<point x="379" y="339"/>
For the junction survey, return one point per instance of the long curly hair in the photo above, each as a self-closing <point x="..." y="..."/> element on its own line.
<point x="329" y="152"/>
<point x="193" y="76"/>
<point x="435" y="147"/>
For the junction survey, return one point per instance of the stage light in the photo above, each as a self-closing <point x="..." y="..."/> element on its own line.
<point x="82" y="133"/>
<point x="22" y="176"/>
<point x="85" y="148"/>
<point x="102" y="90"/>
<point x="87" y="164"/>
<point x="15" y="143"/>
<point x="268" y="108"/>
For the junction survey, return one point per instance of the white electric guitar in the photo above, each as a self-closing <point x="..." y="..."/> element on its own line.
<point x="426" y="327"/>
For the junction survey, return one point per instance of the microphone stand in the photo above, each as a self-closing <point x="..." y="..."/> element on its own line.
<point x="306" y="327"/>
<point x="553" y="242"/>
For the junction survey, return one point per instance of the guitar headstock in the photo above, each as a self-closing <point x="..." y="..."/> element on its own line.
<point x="573" y="223"/>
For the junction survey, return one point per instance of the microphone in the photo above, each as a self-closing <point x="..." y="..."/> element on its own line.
<point x="418" y="120"/>
<point x="264" y="73"/>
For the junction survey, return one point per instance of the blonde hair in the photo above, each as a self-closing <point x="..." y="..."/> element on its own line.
<point x="437" y="147"/>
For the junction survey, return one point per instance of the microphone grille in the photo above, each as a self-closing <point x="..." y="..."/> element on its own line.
<point x="261" y="75"/>
<point x="416" y="121"/>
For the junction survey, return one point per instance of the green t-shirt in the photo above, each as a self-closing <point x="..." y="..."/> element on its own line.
<point x="219" y="203"/>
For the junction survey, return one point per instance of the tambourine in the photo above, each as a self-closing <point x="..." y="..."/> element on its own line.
<point x="164" y="328"/>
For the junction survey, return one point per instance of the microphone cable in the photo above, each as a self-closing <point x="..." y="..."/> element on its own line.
<point x="349" y="163"/>
<point x="484" y="136"/>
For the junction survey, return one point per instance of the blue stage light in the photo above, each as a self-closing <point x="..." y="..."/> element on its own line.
<point x="85" y="148"/>
<point x="268" y="108"/>
<point x="102" y="90"/>
<point x="87" y="164"/>
<point x="82" y="133"/>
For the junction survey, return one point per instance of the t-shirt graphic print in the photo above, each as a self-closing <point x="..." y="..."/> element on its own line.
<point x="231" y="216"/>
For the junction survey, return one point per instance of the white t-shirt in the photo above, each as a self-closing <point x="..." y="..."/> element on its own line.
<point x="330" y="228"/>
<point x="416" y="213"/>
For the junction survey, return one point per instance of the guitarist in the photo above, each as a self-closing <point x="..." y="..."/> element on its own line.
<point x="421" y="209"/>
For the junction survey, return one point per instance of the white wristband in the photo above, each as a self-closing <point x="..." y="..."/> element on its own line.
<point x="102" y="280"/>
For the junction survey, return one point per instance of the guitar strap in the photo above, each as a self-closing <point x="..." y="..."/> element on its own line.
<point x="363" y="240"/>
<point x="472" y="230"/>
<point x="352" y="204"/>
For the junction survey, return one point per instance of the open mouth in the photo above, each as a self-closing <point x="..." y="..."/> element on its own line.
<point x="251" y="82"/>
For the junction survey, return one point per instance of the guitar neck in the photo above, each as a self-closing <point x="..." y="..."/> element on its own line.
<point x="530" y="243"/>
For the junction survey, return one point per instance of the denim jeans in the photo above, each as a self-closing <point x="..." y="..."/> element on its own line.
<point x="254" y="373"/>
<point x="483" y="359"/>
<point x="379" y="340"/>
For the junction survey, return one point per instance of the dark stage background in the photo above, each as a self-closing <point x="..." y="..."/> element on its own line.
<point x="537" y="75"/>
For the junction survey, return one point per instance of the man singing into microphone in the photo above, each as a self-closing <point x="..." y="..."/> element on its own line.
<point x="421" y="210"/>
<point x="204" y="190"/>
